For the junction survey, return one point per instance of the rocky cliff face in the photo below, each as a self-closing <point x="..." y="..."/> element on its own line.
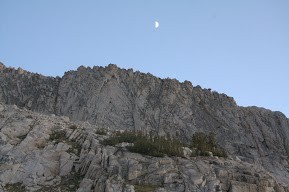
<point x="29" y="90"/>
<point x="50" y="153"/>
<point x="116" y="99"/>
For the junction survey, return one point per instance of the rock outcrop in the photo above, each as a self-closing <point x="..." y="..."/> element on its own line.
<point x="256" y="139"/>
<point x="50" y="153"/>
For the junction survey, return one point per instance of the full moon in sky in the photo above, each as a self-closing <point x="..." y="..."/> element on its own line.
<point x="157" y="24"/>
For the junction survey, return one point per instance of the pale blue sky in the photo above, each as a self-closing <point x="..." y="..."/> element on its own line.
<point x="240" y="48"/>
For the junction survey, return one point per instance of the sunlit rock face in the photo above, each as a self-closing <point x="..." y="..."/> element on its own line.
<point x="256" y="139"/>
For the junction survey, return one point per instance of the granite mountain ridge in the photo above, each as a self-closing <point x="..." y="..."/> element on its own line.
<point x="120" y="99"/>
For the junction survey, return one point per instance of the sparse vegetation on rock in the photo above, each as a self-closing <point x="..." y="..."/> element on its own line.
<point x="22" y="137"/>
<point x="69" y="183"/>
<point x="101" y="131"/>
<point x="145" y="188"/>
<point x="206" y="143"/>
<point x="29" y="117"/>
<point x="125" y="136"/>
<point x="58" y="135"/>
<point x="157" y="146"/>
<point x="15" y="187"/>
<point x="73" y="127"/>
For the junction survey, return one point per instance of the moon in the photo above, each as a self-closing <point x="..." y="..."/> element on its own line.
<point x="157" y="24"/>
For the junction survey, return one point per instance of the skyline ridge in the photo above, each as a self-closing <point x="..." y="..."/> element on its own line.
<point x="148" y="73"/>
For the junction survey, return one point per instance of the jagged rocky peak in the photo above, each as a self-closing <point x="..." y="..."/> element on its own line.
<point x="113" y="71"/>
<point x="2" y="66"/>
<point x="16" y="72"/>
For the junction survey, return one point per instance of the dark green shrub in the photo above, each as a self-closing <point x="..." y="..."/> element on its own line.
<point x="73" y="127"/>
<point x="204" y="143"/>
<point x="15" y="187"/>
<point x="22" y="137"/>
<point x="119" y="137"/>
<point x="75" y="147"/>
<point x="220" y="152"/>
<point x="70" y="182"/>
<point x="147" y="145"/>
<point x="101" y="131"/>
<point x="40" y="145"/>
<point x="204" y="153"/>
<point x="58" y="136"/>
<point x="145" y="188"/>
<point x="29" y="117"/>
